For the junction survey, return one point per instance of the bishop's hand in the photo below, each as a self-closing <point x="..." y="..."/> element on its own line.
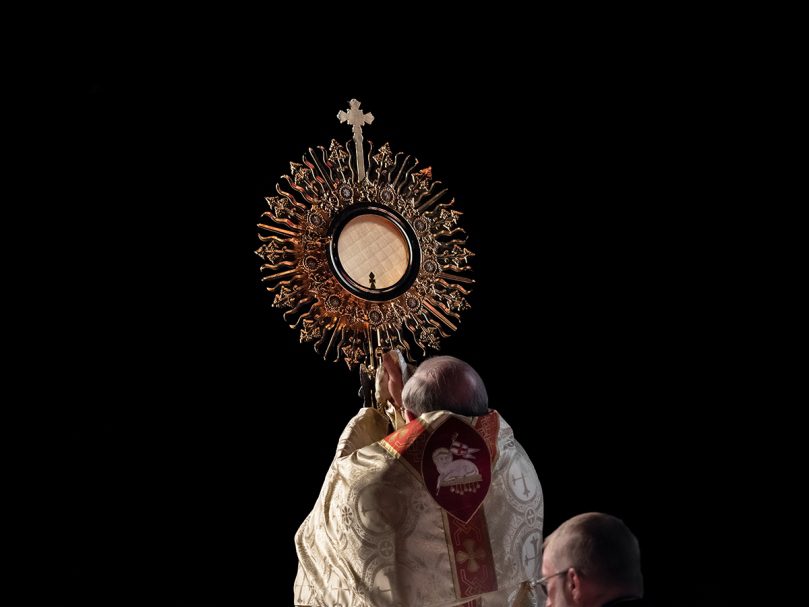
<point x="391" y="379"/>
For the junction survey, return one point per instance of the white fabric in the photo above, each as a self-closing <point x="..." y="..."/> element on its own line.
<point x="377" y="538"/>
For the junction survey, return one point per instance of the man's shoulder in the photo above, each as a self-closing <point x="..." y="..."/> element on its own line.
<point x="364" y="429"/>
<point x="630" y="602"/>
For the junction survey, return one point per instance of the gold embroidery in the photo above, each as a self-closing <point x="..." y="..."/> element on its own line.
<point x="471" y="554"/>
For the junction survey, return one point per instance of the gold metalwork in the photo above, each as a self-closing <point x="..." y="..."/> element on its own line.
<point x="298" y="260"/>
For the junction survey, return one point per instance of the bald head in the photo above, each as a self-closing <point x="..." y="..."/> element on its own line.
<point x="445" y="383"/>
<point x="601" y="547"/>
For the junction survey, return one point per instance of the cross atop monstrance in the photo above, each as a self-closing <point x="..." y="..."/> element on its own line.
<point x="356" y="118"/>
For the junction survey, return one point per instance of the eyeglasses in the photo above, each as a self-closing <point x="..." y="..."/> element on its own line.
<point x="543" y="582"/>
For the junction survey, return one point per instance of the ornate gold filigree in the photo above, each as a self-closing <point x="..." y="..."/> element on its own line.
<point x="296" y="241"/>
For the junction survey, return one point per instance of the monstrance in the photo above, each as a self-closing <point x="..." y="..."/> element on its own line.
<point x="366" y="259"/>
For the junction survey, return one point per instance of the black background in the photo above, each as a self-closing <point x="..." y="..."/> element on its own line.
<point x="597" y="320"/>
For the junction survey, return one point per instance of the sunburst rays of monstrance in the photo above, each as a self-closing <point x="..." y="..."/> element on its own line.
<point x="365" y="260"/>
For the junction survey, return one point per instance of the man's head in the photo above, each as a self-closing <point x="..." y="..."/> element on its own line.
<point x="591" y="559"/>
<point x="445" y="383"/>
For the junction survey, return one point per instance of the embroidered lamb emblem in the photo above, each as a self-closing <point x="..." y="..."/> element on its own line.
<point x="460" y="475"/>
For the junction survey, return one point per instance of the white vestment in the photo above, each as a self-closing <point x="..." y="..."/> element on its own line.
<point x="445" y="511"/>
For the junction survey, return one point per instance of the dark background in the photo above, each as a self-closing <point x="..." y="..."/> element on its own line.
<point x="597" y="321"/>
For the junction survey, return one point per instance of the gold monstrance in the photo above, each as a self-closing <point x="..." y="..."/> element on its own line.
<point x="366" y="261"/>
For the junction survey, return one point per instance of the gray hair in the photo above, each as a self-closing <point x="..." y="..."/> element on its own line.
<point x="600" y="546"/>
<point x="445" y="383"/>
